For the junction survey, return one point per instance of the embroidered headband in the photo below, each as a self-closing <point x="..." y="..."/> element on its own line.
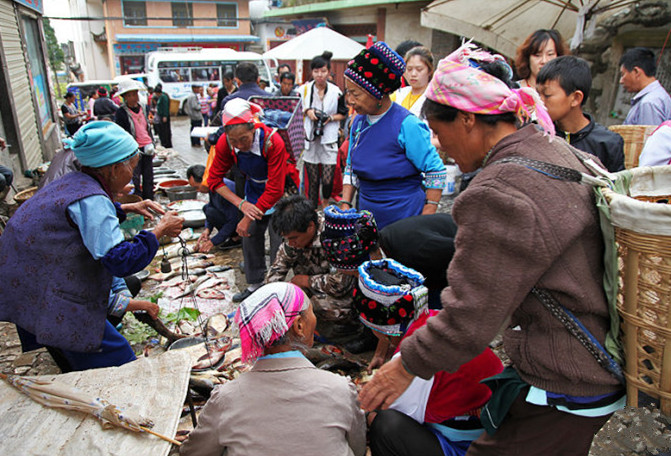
<point x="348" y="237"/>
<point x="377" y="70"/>
<point x="458" y="83"/>
<point x="389" y="296"/>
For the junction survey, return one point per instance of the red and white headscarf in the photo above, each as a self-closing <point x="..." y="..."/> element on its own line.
<point x="461" y="85"/>
<point x="239" y="111"/>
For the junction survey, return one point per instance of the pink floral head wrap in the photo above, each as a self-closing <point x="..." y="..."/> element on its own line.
<point x="267" y="315"/>
<point x="459" y="84"/>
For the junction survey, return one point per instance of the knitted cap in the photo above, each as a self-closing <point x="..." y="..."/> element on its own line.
<point x="389" y="296"/>
<point x="348" y="237"/>
<point x="377" y="70"/>
<point x="101" y="143"/>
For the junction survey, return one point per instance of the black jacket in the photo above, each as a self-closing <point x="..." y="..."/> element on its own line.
<point x="597" y="140"/>
<point x="104" y="108"/>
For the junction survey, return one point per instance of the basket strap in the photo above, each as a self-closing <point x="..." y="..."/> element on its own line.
<point x="580" y="332"/>
<point x="556" y="171"/>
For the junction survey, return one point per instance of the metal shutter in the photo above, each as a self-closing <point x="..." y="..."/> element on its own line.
<point x="20" y="87"/>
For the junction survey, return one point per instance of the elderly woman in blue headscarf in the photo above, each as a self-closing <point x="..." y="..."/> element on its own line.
<point x="63" y="251"/>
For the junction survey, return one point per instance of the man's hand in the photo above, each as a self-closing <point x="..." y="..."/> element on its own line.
<point x="204" y="244"/>
<point x="301" y="280"/>
<point x="144" y="208"/>
<point x="250" y="210"/>
<point x="243" y="227"/>
<point x="386" y="386"/>
<point x="169" y="225"/>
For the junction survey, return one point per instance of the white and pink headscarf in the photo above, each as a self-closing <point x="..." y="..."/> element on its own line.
<point x="459" y="84"/>
<point x="267" y="315"/>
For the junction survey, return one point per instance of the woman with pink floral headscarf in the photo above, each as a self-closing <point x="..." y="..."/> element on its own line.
<point x="524" y="232"/>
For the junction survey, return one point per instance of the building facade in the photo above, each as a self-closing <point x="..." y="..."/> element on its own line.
<point x="135" y="27"/>
<point x="28" y="116"/>
<point x="89" y="41"/>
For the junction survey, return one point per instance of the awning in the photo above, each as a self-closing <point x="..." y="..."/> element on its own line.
<point x="173" y="38"/>
<point x="503" y="25"/>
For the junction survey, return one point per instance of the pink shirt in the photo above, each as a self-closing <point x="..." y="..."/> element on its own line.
<point x="141" y="134"/>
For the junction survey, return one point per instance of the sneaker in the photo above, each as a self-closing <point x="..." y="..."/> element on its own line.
<point x="244" y="294"/>
<point x="230" y="243"/>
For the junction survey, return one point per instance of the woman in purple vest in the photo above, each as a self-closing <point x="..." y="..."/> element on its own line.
<point x="391" y="160"/>
<point x="62" y="248"/>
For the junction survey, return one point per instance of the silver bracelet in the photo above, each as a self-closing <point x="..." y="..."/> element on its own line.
<point x="428" y="201"/>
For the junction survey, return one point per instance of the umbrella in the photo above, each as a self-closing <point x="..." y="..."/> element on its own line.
<point x="504" y="24"/>
<point x="59" y="395"/>
<point x="314" y="42"/>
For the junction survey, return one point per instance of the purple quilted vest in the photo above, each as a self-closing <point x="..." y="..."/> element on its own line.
<point x="51" y="285"/>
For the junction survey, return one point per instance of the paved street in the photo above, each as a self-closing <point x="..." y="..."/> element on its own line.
<point x="181" y="142"/>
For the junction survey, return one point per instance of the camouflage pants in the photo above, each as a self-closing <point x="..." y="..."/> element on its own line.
<point x="336" y="320"/>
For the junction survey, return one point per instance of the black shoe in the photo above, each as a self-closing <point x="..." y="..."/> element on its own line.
<point x="244" y="294"/>
<point x="230" y="243"/>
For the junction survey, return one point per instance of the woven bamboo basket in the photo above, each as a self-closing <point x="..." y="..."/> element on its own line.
<point x="643" y="238"/>
<point x="23" y="196"/>
<point x="634" y="138"/>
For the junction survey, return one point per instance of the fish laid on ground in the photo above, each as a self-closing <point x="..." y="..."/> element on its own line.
<point x="218" y="292"/>
<point x="218" y="268"/>
<point x="162" y="276"/>
<point x="191" y="288"/>
<point x="209" y="284"/>
<point x="216" y="325"/>
<point x="216" y="351"/>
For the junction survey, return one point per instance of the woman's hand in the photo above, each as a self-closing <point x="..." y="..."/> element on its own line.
<point x="144" y="208"/>
<point x="250" y="210"/>
<point x="311" y="114"/>
<point x="151" y="308"/>
<point x="169" y="225"/>
<point x="243" y="227"/>
<point x="386" y="386"/>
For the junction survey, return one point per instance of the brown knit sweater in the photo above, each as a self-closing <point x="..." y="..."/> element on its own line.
<point x="518" y="228"/>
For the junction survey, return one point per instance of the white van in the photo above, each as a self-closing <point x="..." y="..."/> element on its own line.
<point x="177" y="69"/>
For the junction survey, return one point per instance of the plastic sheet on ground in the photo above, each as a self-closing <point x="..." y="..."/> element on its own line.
<point x="153" y="388"/>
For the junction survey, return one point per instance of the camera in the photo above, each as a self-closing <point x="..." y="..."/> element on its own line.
<point x="322" y="118"/>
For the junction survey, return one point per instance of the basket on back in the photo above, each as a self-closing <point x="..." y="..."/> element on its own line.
<point x="294" y="132"/>
<point x="634" y="138"/>
<point x="642" y="221"/>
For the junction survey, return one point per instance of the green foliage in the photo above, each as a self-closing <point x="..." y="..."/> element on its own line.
<point x="56" y="55"/>
<point x="185" y="313"/>
<point x="135" y="332"/>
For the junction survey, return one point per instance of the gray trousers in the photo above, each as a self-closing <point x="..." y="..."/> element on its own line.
<point x="254" y="249"/>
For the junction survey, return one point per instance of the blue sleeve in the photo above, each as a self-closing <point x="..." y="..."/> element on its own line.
<point x="96" y="218"/>
<point x="650" y="114"/>
<point x="415" y="138"/>
<point x="119" y="298"/>
<point x="133" y="256"/>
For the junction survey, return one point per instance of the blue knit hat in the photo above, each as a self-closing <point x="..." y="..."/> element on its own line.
<point x="102" y="143"/>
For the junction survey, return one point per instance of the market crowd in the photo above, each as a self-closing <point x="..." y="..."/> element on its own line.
<point x="358" y="252"/>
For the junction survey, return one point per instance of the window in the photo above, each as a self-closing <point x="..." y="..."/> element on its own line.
<point x="134" y="13"/>
<point x="227" y="15"/>
<point x="182" y="14"/>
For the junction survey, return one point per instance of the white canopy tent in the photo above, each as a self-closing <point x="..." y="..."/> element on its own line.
<point x="504" y="24"/>
<point x="313" y="43"/>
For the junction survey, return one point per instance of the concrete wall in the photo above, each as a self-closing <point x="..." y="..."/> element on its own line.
<point x="92" y="56"/>
<point x="645" y="24"/>
<point x="403" y="23"/>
